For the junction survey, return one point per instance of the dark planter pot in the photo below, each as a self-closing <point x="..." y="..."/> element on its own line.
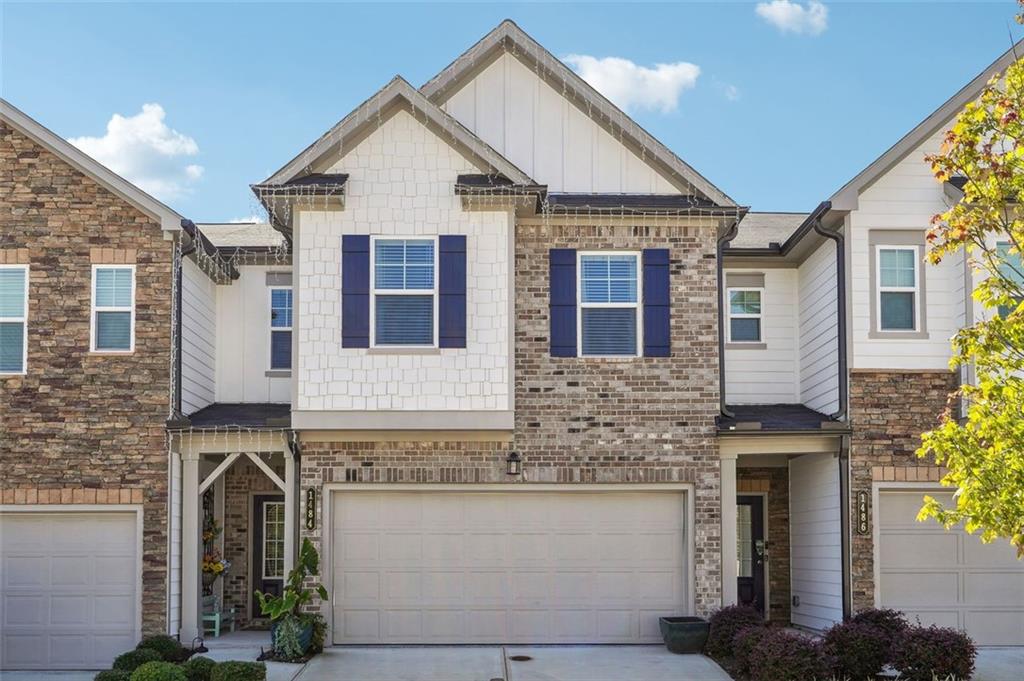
<point x="684" y="635"/>
<point x="305" y="637"/>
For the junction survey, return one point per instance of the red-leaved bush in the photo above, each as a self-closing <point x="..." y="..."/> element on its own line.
<point x="926" y="653"/>
<point x="781" y="655"/>
<point x="890" y="621"/>
<point x="859" y="650"/>
<point x="744" y="646"/>
<point x="725" y="623"/>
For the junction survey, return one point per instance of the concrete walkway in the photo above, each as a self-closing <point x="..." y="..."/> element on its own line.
<point x="999" y="664"/>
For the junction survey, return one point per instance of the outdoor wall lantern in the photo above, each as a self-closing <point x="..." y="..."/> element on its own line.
<point x="515" y="464"/>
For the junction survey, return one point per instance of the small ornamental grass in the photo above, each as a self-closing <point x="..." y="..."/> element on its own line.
<point x="133" y="659"/>
<point x="925" y="653"/>
<point x="859" y="649"/>
<point x="159" y="671"/>
<point x="239" y="671"/>
<point x="725" y="623"/>
<point x="199" y="668"/>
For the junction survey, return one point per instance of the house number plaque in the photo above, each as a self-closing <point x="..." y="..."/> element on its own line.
<point x="311" y="509"/>
<point x="863" y="524"/>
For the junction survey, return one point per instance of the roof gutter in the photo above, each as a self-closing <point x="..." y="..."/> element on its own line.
<point x="835" y="235"/>
<point x="723" y="243"/>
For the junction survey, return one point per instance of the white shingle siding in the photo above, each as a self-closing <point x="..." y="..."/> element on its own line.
<point x="401" y="183"/>
<point x="819" y="351"/>
<point x="198" y="338"/>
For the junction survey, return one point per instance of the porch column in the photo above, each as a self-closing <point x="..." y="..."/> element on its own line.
<point x="289" y="511"/>
<point x="190" y="538"/>
<point x="728" y="482"/>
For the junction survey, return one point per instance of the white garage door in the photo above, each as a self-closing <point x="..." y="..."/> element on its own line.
<point x="948" y="578"/>
<point x="506" y="567"/>
<point x="69" y="589"/>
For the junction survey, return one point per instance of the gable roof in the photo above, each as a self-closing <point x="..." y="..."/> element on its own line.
<point x="367" y="114"/>
<point x="508" y="36"/>
<point x="78" y="159"/>
<point x="846" y="197"/>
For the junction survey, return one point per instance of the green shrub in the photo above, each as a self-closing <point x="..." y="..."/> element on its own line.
<point x="725" y="623"/>
<point x="239" y="671"/>
<point x="113" y="675"/>
<point x="159" y="671"/>
<point x="926" y="653"/>
<point x="859" y="649"/>
<point x="133" y="659"/>
<point x="199" y="668"/>
<point x="168" y="647"/>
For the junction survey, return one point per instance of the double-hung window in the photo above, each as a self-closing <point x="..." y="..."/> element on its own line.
<point x="13" y="318"/>
<point x="404" y="296"/>
<point x="280" y="328"/>
<point x="1011" y="267"/>
<point x="745" y="315"/>
<point x="113" y="308"/>
<point x="898" y="288"/>
<point x="609" y="304"/>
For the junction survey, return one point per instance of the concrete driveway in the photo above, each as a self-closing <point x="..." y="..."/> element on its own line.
<point x="545" y="663"/>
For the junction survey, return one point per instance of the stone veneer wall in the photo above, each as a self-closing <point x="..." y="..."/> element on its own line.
<point x="80" y="427"/>
<point x="888" y="411"/>
<point x="584" y="420"/>
<point x="775" y="482"/>
<point x="240" y="482"/>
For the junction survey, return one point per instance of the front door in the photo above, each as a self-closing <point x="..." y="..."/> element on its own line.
<point x="267" y="547"/>
<point x="750" y="551"/>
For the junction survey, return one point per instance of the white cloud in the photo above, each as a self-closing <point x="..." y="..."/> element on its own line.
<point x="251" y="218"/>
<point x="145" y="151"/>
<point x="634" y="87"/>
<point x="792" y="17"/>
<point x="731" y="92"/>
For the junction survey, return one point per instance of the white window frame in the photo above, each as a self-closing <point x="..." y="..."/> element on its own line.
<point x="374" y="291"/>
<point x="24" y="323"/>
<point x="272" y="328"/>
<point x="638" y="305"/>
<point x="743" y="315"/>
<point x="263" y="549"/>
<point x="915" y="289"/>
<point x="94" y="310"/>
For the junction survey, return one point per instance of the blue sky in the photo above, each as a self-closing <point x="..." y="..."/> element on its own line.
<point x="786" y="108"/>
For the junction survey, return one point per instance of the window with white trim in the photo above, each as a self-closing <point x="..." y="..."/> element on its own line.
<point x="13" y="318"/>
<point x="609" y="322"/>
<point x="1012" y="268"/>
<point x="745" y="315"/>
<point x="273" y="540"/>
<point x="404" y="296"/>
<point x="898" y="288"/>
<point x="280" y="328"/>
<point x="113" y="308"/>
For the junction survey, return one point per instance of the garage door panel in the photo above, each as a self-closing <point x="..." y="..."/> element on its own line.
<point x="566" y="570"/>
<point x="24" y="610"/>
<point x="24" y="571"/>
<point x="948" y="578"/>
<point x="66" y="610"/>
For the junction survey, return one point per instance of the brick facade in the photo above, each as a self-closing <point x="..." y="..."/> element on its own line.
<point x="585" y="420"/>
<point x="888" y="412"/>
<point x="81" y="427"/>
<point x="775" y="483"/>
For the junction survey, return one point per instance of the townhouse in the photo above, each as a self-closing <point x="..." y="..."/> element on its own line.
<point x="519" y="372"/>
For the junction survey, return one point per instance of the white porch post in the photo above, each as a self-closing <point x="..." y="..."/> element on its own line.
<point x="289" y="511"/>
<point x="189" y="546"/>
<point x="728" y="482"/>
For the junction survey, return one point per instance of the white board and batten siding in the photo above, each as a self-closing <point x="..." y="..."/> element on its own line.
<point x="243" y="340"/>
<point x="546" y="136"/>
<point x="815" y="551"/>
<point x="767" y="375"/>
<point x="198" y="338"/>
<point x="904" y="198"/>
<point x="819" y="330"/>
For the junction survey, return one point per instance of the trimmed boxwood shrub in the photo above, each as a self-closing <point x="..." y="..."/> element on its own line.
<point x="199" y="668"/>
<point x="781" y="655"/>
<point x="113" y="675"/>
<point x="133" y="659"/>
<point x="859" y="649"/>
<point x="159" y="671"/>
<point x="924" y="653"/>
<point x="239" y="671"/>
<point x="725" y="624"/>
<point x="168" y="647"/>
<point x="744" y="644"/>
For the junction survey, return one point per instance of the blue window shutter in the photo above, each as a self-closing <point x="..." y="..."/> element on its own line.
<point x="355" y="291"/>
<point x="452" y="291"/>
<point x="656" y="303"/>
<point x="563" y="301"/>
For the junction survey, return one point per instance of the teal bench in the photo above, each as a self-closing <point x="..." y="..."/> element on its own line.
<point x="214" y="617"/>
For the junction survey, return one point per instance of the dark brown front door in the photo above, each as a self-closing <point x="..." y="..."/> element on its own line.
<point x="267" y="546"/>
<point x="750" y="550"/>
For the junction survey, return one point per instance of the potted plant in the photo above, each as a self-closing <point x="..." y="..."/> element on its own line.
<point x="684" y="635"/>
<point x="293" y="632"/>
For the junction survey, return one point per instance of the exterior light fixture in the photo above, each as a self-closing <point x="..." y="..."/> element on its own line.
<point x="515" y="464"/>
